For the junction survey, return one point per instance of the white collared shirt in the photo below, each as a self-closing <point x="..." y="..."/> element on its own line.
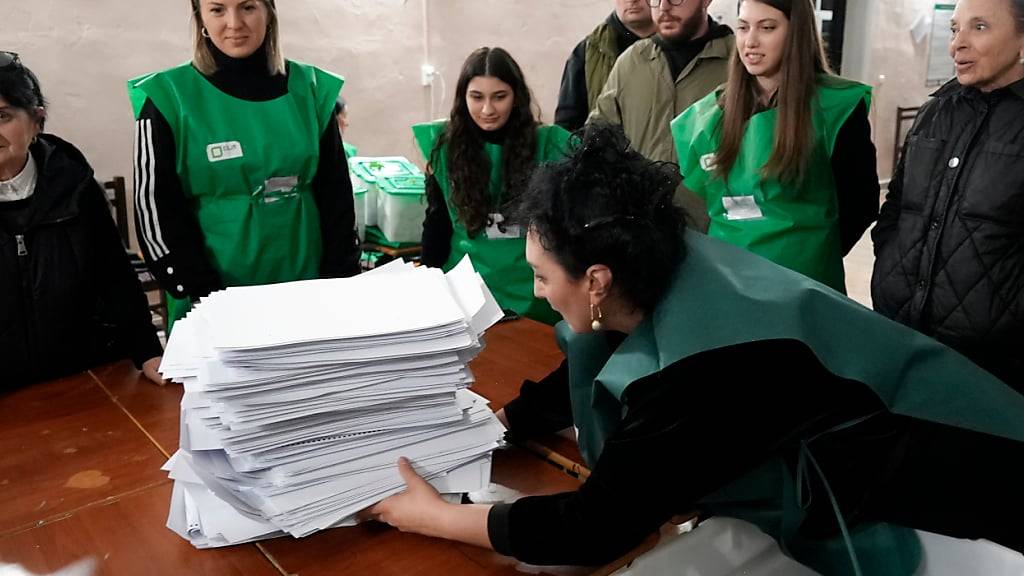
<point x="21" y="186"/>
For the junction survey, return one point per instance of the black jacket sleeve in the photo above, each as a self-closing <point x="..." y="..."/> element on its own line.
<point x="168" y="230"/>
<point x="332" y="189"/>
<point x="856" y="176"/>
<point x="541" y="407"/>
<point x="687" y="431"/>
<point x="437" y="227"/>
<point x="573" y="109"/>
<point x="122" y="300"/>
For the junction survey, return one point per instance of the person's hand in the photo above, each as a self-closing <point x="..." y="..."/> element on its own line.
<point x="415" y="510"/>
<point x="502" y="418"/>
<point x="149" y="368"/>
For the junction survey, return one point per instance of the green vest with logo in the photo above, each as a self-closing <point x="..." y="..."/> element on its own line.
<point x="727" y="296"/>
<point x="792" y="224"/>
<point x="247" y="168"/>
<point x="500" y="261"/>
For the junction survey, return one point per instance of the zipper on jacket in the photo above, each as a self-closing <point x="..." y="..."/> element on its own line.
<point x="25" y="268"/>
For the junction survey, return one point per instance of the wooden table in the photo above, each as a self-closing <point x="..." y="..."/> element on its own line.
<point x="79" y="476"/>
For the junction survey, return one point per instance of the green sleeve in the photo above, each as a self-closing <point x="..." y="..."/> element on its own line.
<point x="553" y="142"/>
<point x="426" y="135"/>
<point x="326" y="87"/>
<point x="687" y="129"/>
<point x="136" y="95"/>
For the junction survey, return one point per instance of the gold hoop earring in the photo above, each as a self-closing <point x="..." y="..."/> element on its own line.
<point x="595" y="319"/>
<point x="204" y="32"/>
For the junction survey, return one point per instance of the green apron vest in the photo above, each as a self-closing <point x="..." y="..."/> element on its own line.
<point x="500" y="261"/>
<point x="798" y="224"/>
<point x="248" y="167"/>
<point x="735" y="297"/>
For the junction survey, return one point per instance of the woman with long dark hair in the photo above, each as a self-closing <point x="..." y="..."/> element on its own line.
<point x="479" y="161"/>
<point x="782" y="154"/>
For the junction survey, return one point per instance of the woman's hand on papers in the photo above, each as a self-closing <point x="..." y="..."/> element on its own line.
<point x="151" y="369"/>
<point x="412" y="510"/>
<point x="420" y="509"/>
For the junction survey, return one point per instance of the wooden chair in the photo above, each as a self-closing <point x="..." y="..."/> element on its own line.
<point x="903" y="115"/>
<point x="117" y="196"/>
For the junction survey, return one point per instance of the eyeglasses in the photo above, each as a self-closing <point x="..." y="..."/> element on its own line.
<point x="9" y="59"/>
<point x="656" y="3"/>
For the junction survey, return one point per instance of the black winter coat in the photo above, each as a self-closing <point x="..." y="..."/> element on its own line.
<point x="949" y="244"/>
<point x="69" y="297"/>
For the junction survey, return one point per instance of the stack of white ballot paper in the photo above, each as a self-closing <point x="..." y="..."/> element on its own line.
<point x="300" y="398"/>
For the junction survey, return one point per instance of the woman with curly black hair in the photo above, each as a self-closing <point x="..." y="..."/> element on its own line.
<point x="479" y="161"/>
<point x="703" y="377"/>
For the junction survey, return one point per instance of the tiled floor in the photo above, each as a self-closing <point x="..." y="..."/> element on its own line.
<point x="859" y="263"/>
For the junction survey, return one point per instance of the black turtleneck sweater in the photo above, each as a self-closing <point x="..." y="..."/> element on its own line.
<point x="437" y="224"/>
<point x="162" y="208"/>
<point x="573" y="98"/>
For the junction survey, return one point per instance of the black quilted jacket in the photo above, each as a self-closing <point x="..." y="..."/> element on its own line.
<point x="949" y="243"/>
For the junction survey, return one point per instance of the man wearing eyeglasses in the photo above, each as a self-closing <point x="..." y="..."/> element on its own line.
<point x="591" y="61"/>
<point x="654" y="80"/>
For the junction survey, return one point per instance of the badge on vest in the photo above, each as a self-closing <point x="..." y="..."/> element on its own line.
<point x="707" y="162"/>
<point x="741" y="208"/>
<point x="224" y="151"/>
<point x="496" y="229"/>
<point x="276" y="189"/>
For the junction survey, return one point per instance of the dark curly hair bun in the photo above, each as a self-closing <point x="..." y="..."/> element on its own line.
<point x="605" y="203"/>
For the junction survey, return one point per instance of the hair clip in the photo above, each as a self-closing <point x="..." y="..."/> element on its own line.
<point x="607" y="219"/>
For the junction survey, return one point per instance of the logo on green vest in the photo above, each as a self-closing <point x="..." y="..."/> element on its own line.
<point x="707" y="162"/>
<point x="224" y="151"/>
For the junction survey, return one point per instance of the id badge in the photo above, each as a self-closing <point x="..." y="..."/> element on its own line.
<point x="497" y="230"/>
<point x="741" y="208"/>
<point x="277" y="189"/>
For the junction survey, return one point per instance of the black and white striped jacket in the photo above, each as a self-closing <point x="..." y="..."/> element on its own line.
<point x="165" y="219"/>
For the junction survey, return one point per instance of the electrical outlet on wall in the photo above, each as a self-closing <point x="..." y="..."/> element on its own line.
<point x="427" y="72"/>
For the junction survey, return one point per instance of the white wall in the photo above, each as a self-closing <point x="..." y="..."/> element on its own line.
<point x="85" y="50"/>
<point x="879" y="44"/>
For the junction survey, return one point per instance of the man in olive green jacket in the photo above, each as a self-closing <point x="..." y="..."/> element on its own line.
<point x="591" y="61"/>
<point x="654" y="80"/>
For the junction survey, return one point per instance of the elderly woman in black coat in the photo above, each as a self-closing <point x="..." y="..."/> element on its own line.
<point x="949" y="243"/>
<point x="69" y="297"/>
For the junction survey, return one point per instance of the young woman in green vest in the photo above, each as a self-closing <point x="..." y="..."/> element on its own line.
<point x="703" y="377"/>
<point x="240" y="173"/>
<point x="782" y="154"/>
<point x="479" y="160"/>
